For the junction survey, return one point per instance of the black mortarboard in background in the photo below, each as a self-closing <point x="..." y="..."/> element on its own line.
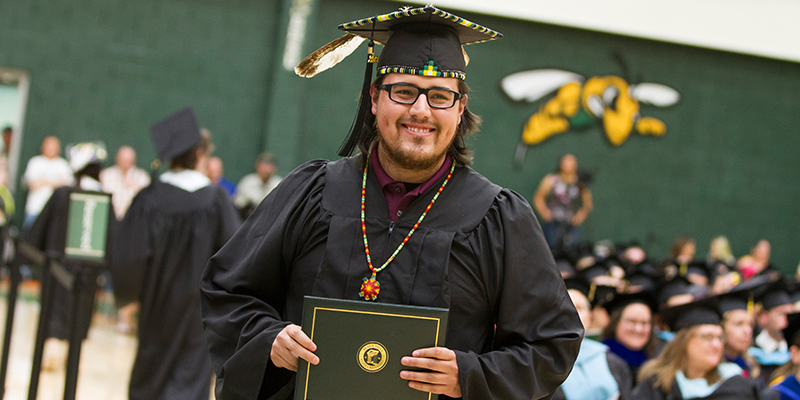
<point x="774" y="296"/>
<point x="622" y="300"/>
<point x="742" y="296"/>
<point x="419" y="41"/>
<point x="792" y="329"/>
<point x="579" y="284"/>
<point x="700" y="312"/>
<point x="176" y="134"/>
<point x="695" y="267"/>
<point x="565" y="267"/>
<point x="677" y="286"/>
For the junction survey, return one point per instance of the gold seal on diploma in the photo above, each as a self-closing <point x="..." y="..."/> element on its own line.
<point x="372" y="356"/>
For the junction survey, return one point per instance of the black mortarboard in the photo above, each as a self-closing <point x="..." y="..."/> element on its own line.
<point x="176" y="134"/>
<point x="642" y="280"/>
<point x="695" y="267"/>
<point x="600" y="295"/>
<point x="622" y="300"/>
<point x="677" y="286"/>
<point x="775" y="295"/>
<point x="565" y="267"/>
<point x="792" y="329"/>
<point x="579" y="284"/>
<point x="419" y="41"/>
<point x="741" y="296"/>
<point x="700" y="312"/>
<point x="594" y="271"/>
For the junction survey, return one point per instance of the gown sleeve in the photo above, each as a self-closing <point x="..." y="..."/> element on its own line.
<point x="243" y="294"/>
<point x="538" y="332"/>
<point x="130" y="258"/>
<point x="622" y="374"/>
<point x="646" y="390"/>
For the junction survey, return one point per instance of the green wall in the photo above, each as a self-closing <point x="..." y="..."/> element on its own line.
<point x="727" y="164"/>
<point x="109" y="69"/>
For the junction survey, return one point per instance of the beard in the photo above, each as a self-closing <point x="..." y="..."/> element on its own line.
<point x="403" y="154"/>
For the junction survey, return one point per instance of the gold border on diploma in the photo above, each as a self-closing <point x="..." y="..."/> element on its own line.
<point x="314" y="320"/>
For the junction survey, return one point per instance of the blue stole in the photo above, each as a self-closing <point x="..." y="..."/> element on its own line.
<point x="698" y="388"/>
<point x="632" y="357"/>
<point x="789" y="388"/>
<point x="590" y="379"/>
<point x="775" y="358"/>
<point x="738" y="361"/>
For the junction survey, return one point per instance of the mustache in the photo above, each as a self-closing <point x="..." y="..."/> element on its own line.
<point x="417" y="121"/>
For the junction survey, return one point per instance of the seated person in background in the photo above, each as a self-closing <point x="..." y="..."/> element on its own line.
<point x="770" y="349"/>
<point x="757" y="262"/>
<point x="256" y="186"/>
<point x="597" y="374"/>
<point x="43" y="174"/>
<point x="787" y="377"/>
<point x="737" y="322"/>
<point x="689" y="367"/>
<point x="215" y="171"/>
<point x="630" y="334"/>
<point x="681" y="261"/>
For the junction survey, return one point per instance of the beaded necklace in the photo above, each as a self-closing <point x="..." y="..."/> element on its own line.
<point x="370" y="286"/>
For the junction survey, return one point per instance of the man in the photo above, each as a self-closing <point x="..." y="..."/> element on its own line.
<point x="513" y="331"/>
<point x="43" y="174"/>
<point x="770" y="349"/>
<point x="124" y="180"/>
<point x="170" y="231"/>
<point x="256" y="186"/>
<point x="215" y="173"/>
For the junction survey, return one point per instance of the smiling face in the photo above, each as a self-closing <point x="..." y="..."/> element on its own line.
<point x="704" y="349"/>
<point x="415" y="137"/>
<point x="635" y="326"/>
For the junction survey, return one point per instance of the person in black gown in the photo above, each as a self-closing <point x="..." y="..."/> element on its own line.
<point x="513" y="332"/>
<point x="85" y="160"/>
<point x="170" y="231"/>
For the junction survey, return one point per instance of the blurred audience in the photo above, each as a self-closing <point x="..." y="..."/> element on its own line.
<point x="256" y="186"/>
<point x="43" y="174"/>
<point x="215" y="172"/>
<point x="124" y="180"/>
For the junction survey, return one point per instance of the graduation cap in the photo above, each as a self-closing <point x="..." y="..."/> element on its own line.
<point x="742" y="296"/>
<point x="677" y="286"/>
<point x="774" y="296"/>
<point x="700" y="312"/>
<point x="579" y="284"/>
<point x="641" y="280"/>
<point x="80" y="155"/>
<point x="418" y="41"/>
<point x="565" y="267"/>
<point x="176" y="134"/>
<point x="792" y="329"/>
<point x="622" y="300"/>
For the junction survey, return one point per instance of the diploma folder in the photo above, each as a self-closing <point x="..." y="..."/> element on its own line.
<point x="360" y="344"/>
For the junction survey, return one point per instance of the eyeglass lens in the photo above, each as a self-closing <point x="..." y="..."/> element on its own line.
<point x="408" y="94"/>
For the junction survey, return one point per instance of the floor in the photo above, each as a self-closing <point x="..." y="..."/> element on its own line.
<point x="106" y="357"/>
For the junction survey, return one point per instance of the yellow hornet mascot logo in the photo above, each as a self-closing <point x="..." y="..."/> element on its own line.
<point x="579" y="102"/>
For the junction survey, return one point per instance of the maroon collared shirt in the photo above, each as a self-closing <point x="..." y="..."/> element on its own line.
<point x="397" y="198"/>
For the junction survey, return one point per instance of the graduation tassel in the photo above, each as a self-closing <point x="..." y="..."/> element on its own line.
<point x="364" y="107"/>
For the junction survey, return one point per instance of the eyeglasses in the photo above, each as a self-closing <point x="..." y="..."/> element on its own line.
<point x="406" y="93"/>
<point x="709" y="337"/>
<point x="635" y="323"/>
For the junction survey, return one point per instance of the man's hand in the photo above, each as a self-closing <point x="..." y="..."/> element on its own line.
<point x="443" y="375"/>
<point x="290" y="344"/>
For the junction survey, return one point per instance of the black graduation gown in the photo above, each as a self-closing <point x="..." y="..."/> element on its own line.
<point x="621" y="373"/>
<point x="46" y="235"/>
<point x="734" y="388"/>
<point x="164" y="242"/>
<point x="480" y="252"/>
